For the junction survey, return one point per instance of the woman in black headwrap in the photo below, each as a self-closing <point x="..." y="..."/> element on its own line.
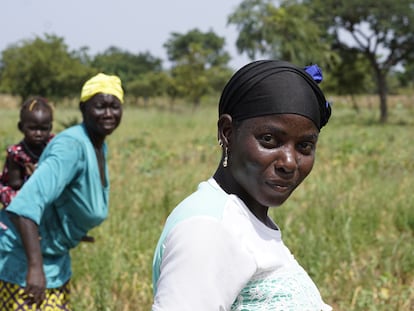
<point x="219" y="249"/>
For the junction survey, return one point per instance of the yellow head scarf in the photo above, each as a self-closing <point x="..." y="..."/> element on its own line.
<point x="102" y="83"/>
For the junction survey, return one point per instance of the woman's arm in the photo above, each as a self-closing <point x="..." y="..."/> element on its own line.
<point x="35" y="278"/>
<point x="55" y="172"/>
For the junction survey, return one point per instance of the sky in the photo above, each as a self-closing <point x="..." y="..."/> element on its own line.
<point x="135" y="26"/>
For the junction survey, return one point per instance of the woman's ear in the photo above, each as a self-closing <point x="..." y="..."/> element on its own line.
<point x="81" y="106"/>
<point x="225" y="129"/>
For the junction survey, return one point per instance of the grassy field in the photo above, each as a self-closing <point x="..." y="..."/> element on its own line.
<point x="351" y="223"/>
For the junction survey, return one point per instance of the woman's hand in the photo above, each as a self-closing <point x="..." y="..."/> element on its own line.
<point x="88" y="238"/>
<point x="35" y="286"/>
<point x="35" y="278"/>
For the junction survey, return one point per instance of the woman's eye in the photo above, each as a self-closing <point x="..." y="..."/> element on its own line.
<point x="268" y="140"/>
<point x="116" y="106"/>
<point x="306" y="147"/>
<point x="267" y="137"/>
<point x="98" y="106"/>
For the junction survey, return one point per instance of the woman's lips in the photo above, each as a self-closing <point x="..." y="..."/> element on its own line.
<point x="280" y="186"/>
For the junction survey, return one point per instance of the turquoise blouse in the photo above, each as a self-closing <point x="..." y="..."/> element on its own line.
<point x="65" y="197"/>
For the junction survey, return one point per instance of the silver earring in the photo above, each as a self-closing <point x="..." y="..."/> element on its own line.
<point x="226" y="157"/>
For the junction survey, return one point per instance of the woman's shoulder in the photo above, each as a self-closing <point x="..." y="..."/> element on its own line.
<point x="73" y="131"/>
<point x="207" y="200"/>
<point x="76" y="133"/>
<point x="70" y="143"/>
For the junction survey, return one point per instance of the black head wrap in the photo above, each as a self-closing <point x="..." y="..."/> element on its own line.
<point x="267" y="87"/>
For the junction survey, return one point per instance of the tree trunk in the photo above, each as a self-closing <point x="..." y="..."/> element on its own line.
<point x="172" y="101"/>
<point x="381" y="76"/>
<point x="382" y="92"/>
<point x="196" y="103"/>
<point x="354" y="103"/>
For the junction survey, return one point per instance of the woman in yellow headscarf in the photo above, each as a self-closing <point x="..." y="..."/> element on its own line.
<point x="65" y="198"/>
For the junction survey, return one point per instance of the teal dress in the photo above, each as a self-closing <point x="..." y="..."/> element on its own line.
<point x="65" y="198"/>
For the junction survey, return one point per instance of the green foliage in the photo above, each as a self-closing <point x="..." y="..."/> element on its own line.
<point x="126" y="65"/>
<point x="148" y="84"/>
<point x="218" y="78"/>
<point x="382" y="34"/>
<point x="350" y="224"/>
<point x="192" y="81"/>
<point x="350" y="76"/>
<point x="207" y="47"/>
<point x="199" y="64"/>
<point x="406" y="78"/>
<point x="286" y="31"/>
<point x="344" y="36"/>
<point x="359" y="45"/>
<point x="41" y="67"/>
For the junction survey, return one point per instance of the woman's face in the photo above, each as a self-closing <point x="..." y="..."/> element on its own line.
<point x="102" y="114"/>
<point x="270" y="156"/>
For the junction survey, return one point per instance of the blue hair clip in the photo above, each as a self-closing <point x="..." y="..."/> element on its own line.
<point x="315" y="72"/>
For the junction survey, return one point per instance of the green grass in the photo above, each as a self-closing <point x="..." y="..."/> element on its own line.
<point x="351" y="223"/>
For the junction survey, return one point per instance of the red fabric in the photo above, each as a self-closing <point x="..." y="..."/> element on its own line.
<point x="17" y="154"/>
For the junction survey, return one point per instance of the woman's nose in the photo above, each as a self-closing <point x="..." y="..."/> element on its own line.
<point x="108" y="111"/>
<point x="286" y="159"/>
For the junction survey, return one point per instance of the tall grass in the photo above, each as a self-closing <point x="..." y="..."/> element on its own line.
<point x="351" y="223"/>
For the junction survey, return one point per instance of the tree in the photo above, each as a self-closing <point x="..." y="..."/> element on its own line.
<point x="191" y="77"/>
<point x="349" y="76"/>
<point x="382" y="32"/>
<point x="196" y="57"/>
<point x="148" y="85"/>
<point x="42" y="67"/>
<point x="179" y="46"/>
<point x="126" y="65"/>
<point x="285" y="32"/>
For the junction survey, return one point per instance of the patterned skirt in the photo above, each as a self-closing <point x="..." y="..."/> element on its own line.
<point x="12" y="298"/>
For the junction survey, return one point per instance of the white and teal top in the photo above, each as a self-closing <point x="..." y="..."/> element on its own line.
<point x="214" y="254"/>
